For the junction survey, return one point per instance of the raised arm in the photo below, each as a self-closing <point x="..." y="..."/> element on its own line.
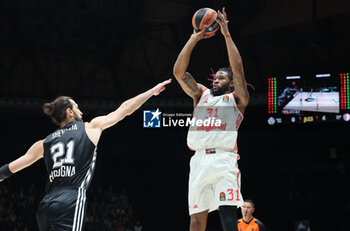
<point x="185" y="79"/>
<point x="239" y="82"/>
<point x="34" y="153"/>
<point x="126" y="108"/>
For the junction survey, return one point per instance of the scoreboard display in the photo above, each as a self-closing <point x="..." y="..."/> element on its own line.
<point x="308" y="98"/>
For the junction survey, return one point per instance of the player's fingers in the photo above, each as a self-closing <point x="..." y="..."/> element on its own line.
<point x="160" y="90"/>
<point x="163" y="83"/>
<point x="224" y="12"/>
<point x="166" y="82"/>
<point x="209" y="36"/>
<point x="218" y="21"/>
<point x="204" y="29"/>
<point x="221" y="16"/>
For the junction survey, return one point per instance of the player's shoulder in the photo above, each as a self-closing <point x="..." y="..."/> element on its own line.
<point x="90" y="125"/>
<point x="203" y="91"/>
<point x="39" y="143"/>
<point x="202" y="88"/>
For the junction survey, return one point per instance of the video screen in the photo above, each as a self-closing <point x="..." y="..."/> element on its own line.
<point x="308" y="98"/>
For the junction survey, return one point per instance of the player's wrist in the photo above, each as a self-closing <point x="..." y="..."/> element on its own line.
<point x="5" y="172"/>
<point x="194" y="38"/>
<point x="227" y="35"/>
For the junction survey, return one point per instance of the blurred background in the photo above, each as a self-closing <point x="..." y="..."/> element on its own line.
<point x="103" y="52"/>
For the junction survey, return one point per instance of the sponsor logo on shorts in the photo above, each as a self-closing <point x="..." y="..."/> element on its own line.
<point x="195" y="206"/>
<point x="222" y="196"/>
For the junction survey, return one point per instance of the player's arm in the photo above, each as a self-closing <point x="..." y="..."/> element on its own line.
<point x="236" y="64"/>
<point x="127" y="108"/>
<point x="185" y="79"/>
<point x="34" y="153"/>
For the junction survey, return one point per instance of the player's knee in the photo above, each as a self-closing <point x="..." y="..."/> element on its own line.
<point x="196" y="224"/>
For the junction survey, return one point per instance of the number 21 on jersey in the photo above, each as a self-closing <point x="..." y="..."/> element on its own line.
<point x="62" y="154"/>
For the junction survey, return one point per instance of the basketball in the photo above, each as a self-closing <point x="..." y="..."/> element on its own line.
<point x="206" y="16"/>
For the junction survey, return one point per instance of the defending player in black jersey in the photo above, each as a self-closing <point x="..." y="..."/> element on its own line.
<point x="69" y="154"/>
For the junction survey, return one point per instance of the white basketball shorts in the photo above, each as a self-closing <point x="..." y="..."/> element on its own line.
<point x="214" y="181"/>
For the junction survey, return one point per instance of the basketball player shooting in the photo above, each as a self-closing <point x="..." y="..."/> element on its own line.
<point x="214" y="181"/>
<point x="69" y="154"/>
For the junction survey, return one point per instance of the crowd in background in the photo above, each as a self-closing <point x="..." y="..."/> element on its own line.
<point x="107" y="209"/>
<point x="18" y="207"/>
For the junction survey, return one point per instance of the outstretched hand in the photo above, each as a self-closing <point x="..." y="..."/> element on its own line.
<point x="199" y="35"/>
<point x="223" y="22"/>
<point x="160" y="87"/>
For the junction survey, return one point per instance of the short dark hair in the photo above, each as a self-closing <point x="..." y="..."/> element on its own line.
<point x="250" y="201"/>
<point x="228" y="70"/>
<point x="57" y="108"/>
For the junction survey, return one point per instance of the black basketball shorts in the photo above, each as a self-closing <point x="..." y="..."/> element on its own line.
<point x="63" y="208"/>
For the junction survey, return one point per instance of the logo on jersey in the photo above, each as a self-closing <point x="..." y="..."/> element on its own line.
<point x="152" y="118"/>
<point x="225" y="99"/>
<point x="222" y="196"/>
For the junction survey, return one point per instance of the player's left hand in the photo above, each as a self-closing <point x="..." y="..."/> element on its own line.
<point x="199" y="35"/>
<point x="160" y="87"/>
<point x="223" y="22"/>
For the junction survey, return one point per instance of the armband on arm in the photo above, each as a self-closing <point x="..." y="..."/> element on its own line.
<point x="5" y="172"/>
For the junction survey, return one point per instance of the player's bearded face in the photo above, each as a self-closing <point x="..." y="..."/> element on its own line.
<point x="220" y="90"/>
<point x="77" y="117"/>
<point x="221" y="83"/>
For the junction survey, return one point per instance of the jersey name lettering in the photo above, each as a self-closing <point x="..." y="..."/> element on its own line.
<point x="63" y="171"/>
<point x="60" y="132"/>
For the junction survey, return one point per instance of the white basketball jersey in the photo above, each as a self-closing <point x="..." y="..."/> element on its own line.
<point x="209" y="135"/>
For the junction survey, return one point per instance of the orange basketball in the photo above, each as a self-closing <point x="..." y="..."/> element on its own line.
<point x="206" y="16"/>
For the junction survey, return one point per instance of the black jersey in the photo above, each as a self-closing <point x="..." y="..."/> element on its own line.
<point x="69" y="157"/>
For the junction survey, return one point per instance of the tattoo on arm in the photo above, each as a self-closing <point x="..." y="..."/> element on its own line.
<point x="238" y="85"/>
<point x="241" y="91"/>
<point x="191" y="83"/>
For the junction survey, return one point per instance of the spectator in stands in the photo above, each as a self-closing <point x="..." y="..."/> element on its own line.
<point x="138" y="226"/>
